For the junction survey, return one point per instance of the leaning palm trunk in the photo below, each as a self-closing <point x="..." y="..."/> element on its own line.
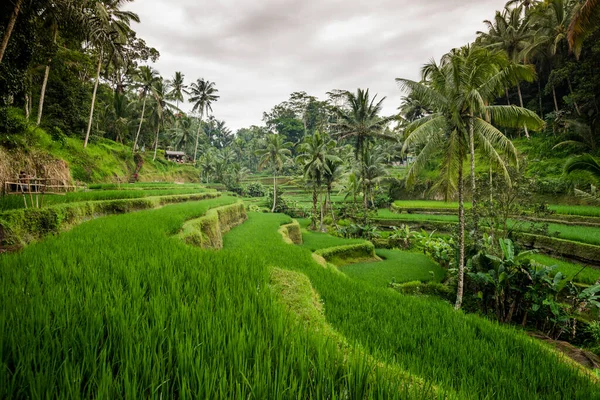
<point x="555" y="100"/>
<point x="321" y="228"/>
<point x="461" y="239"/>
<point x="473" y="183"/>
<point x="197" y="136"/>
<point x="9" y="28"/>
<point x="274" y="191"/>
<point x="45" y="83"/>
<point x="89" y="128"/>
<point x="137" y="135"/>
<point x="521" y="102"/>
<point x="156" y="141"/>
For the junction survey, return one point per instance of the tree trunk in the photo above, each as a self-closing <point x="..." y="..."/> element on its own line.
<point x="507" y="96"/>
<point x="571" y="91"/>
<point x="521" y="102"/>
<point x="461" y="239"/>
<point x="156" y="141"/>
<point x="197" y="136"/>
<point x="27" y="101"/>
<point x="540" y="98"/>
<point x="331" y="204"/>
<point x="473" y="183"/>
<point x="555" y="100"/>
<point x="89" y="128"/>
<point x="313" y="224"/>
<point x="9" y="28"/>
<point x="45" y="83"/>
<point x="274" y="191"/>
<point x="321" y="228"/>
<point x="137" y="135"/>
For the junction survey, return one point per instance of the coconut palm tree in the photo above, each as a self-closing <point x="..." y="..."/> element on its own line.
<point x="203" y="94"/>
<point x="274" y="153"/>
<point x="178" y="88"/>
<point x="162" y="109"/>
<point x="109" y="27"/>
<point x="458" y="92"/>
<point x="586" y="19"/>
<point x="510" y="31"/>
<point x="146" y="80"/>
<point x="361" y="123"/>
<point x="315" y="151"/>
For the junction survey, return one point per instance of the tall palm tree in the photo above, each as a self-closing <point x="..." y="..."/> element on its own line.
<point x="315" y="152"/>
<point x="332" y="173"/>
<point x="586" y="19"/>
<point x="510" y="31"/>
<point x="203" y="94"/>
<point x="162" y="108"/>
<point x="361" y="123"/>
<point x="178" y="88"/>
<point x="458" y="91"/>
<point x="274" y="153"/>
<point x="146" y="78"/>
<point x="109" y="27"/>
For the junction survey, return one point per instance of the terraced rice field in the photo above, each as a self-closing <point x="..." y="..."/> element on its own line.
<point x="119" y="307"/>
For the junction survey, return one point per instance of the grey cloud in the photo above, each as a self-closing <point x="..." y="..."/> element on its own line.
<point x="258" y="52"/>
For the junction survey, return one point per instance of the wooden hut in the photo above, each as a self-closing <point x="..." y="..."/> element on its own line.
<point x="176" y="156"/>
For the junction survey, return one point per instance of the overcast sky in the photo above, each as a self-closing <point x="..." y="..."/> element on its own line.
<point x="259" y="51"/>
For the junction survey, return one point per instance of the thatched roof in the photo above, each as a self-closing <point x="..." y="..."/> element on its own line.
<point x="174" y="153"/>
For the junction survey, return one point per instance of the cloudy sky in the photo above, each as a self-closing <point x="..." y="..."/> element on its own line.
<point x="259" y="51"/>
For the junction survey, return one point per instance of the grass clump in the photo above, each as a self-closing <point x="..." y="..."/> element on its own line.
<point x="348" y="254"/>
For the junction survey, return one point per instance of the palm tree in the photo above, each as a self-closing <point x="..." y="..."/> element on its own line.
<point x="586" y="19"/>
<point x="162" y="108"/>
<point x="374" y="170"/>
<point x="203" y="94"/>
<point x="120" y="112"/>
<point x="274" y="153"/>
<point x="178" y="88"/>
<point x="109" y="28"/>
<point x="511" y="32"/>
<point x="315" y="151"/>
<point x="458" y="92"/>
<point x="585" y="163"/>
<point x="146" y="81"/>
<point x="361" y="123"/>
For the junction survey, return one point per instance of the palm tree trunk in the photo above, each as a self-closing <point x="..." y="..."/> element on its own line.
<point x="9" y="28"/>
<point x="540" y="98"/>
<point x="313" y="224"/>
<point x="461" y="239"/>
<point x="555" y="100"/>
<point x="45" y="83"/>
<point x="27" y="101"/>
<point x="274" y="191"/>
<point x="321" y="222"/>
<point x="507" y="96"/>
<point x="473" y="183"/>
<point x="197" y="136"/>
<point x="137" y="135"/>
<point x="89" y="128"/>
<point x="156" y="141"/>
<point x="521" y="102"/>
<point x="330" y="204"/>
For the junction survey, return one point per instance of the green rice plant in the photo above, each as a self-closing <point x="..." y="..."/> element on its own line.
<point x="348" y="254"/>
<point x="118" y="308"/>
<point x="396" y="266"/>
<point x="463" y="353"/>
<point x="319" y="240"/>
<point x="16" y="202"/>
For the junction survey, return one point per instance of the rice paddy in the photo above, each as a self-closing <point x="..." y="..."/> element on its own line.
<point x="120" y="307"/>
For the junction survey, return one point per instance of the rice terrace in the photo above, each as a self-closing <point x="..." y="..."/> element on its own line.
<point x="367" y="200"/>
